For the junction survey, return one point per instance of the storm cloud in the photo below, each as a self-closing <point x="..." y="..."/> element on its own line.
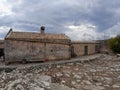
<point x="97" y="17"/>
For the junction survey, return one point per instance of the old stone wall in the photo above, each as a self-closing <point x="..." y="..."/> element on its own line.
<point x="19" y="50"/>
<point x="35" y="51"/>
<point x="1" y="44"/>
<point x="78" y="49"/>
<point x="57" y="51"/>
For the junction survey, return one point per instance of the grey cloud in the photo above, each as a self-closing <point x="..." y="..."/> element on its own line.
<point x="104" y="15"/>
<point x="55" y="14"/>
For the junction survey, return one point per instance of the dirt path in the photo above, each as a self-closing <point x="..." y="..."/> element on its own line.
<point x="81" y="59"/>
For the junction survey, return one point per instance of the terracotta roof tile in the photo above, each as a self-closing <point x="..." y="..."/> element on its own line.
<point x="37" y="36"/>
<point x="30" y="35"/>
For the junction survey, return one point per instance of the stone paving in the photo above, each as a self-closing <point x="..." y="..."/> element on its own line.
<point x="102" y="73"/>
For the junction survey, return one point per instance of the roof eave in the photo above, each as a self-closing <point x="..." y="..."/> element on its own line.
<point x="10" y="31"/>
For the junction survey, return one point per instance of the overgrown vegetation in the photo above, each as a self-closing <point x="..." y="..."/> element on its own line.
<point x="7" y="70"/>
<point x="114" y="44"/>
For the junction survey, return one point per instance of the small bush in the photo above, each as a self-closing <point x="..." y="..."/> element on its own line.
<point x="114" y="44"/>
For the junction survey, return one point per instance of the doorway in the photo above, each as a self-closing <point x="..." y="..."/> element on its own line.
<point x="85" y="50"/>
<point x="2" y="56"/>
<point x="73" y="51"/>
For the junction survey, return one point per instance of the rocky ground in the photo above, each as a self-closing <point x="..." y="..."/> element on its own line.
<point x="103" y="73"/>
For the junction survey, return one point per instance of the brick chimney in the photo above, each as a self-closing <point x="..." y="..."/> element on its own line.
<point x="42" y="30"/>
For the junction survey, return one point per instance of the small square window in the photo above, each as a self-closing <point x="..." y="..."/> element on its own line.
<point x="51" y="50"/>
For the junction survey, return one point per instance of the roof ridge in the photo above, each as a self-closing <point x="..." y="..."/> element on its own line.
<point x="38" y="33"/>
<point x="35" y="35"/>
<point x="23" y="32"/>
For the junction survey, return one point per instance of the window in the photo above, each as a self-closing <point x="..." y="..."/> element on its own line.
<point x="51" y="50"/>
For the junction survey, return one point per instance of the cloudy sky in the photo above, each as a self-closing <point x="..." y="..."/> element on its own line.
<point x="79" y="19"/>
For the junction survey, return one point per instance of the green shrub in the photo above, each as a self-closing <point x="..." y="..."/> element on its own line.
<point x="114" y="44"/>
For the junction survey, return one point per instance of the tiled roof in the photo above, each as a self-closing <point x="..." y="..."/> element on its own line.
<point x="32" y="36"/>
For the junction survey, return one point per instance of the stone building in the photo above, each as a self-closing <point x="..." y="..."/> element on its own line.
<point x="84" y="48"/>
<point x="31" y="46"/>
<point x="1" y="44"/>
<point x="2" y="50"/>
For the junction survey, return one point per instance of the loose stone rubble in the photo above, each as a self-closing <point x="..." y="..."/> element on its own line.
<point x="101" y="73"/>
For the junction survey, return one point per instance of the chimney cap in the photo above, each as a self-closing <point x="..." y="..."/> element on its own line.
<point x="11" y="29"/>
<point x="42" y="27"/>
